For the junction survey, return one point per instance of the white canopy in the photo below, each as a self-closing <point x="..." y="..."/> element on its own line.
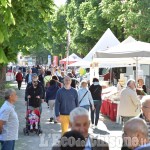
<point x="105" y="63"/>
<point x="107" y="40"/>
<point x="72" y="58"/>
<point x="127" y="50"/>
<point x="113" y="62"/>
<point x="134" y="52"/>
<point x="81" y="63"/>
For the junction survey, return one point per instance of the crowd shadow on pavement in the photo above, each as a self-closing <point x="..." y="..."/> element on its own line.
<point x="101" y="132"/>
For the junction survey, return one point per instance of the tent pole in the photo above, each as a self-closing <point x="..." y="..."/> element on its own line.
<point x="110" y="75"/>
<point x="136" y="80"/>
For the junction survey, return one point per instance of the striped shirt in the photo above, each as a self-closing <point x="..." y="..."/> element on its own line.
<point x="11" y="125"/>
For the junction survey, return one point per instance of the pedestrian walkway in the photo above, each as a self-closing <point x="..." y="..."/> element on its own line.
<point x="51" y="131"/>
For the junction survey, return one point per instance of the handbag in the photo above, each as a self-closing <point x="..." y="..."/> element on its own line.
<point x="83" y="97"/>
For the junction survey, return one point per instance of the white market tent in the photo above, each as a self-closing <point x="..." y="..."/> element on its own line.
<point x="131" y="50"/>
<point x="109" y="63"/>
<point x="115" y="61"/>
<point x="81" y="63"/>
<point x="135" y="52"/>
<point x="107" y="40"/>
<point x="71" y="59"/>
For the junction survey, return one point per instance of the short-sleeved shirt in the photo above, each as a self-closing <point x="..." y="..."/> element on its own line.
<point x="11" y="125"/>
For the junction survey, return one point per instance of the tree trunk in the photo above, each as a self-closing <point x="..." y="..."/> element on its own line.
<point x="2" y="80"/>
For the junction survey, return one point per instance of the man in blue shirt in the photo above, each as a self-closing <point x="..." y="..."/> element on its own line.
<point x="66" y="101"/>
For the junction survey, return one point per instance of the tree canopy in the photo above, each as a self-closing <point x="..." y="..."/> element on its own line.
<point x="40" y="28"/>
<point x="24" y="25"/>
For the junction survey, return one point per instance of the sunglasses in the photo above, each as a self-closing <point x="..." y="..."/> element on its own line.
<point x="35" y="81"/>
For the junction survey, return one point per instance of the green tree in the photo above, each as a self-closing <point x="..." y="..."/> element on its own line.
<point x="86" y="24"/>
<point x="129" y="17"/>
<point x="24" y="25"/>
<point x="59" y="32"/>
<point x="135" y="19"/>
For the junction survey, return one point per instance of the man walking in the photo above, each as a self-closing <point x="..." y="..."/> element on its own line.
<point x="66" y="101"/>
<point x="41" y="76"/>
<point x="28" y="78"/>
<point x="34" y="92"/>
<point x="79" y="121"/>
<point x="19" y="79"/>
<point x="9" y="123"/>
<point x="129" y="106"/>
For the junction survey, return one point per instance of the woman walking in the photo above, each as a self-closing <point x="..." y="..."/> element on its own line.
<point x="85" y="97"/>
<point x="96" y="91"/>
<point x="19" y="79"/>
<point x="50" y="98"/>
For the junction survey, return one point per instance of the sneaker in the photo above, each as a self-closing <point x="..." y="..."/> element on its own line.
<point x="92" y="126"/>
<point x="96" y="127"/>
<point x="55" y="122"/>
<point x="51" y="119"/>
<point x="31" y="127"/>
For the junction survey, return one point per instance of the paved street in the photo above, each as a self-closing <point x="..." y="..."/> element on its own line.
<point x="51" y="132"/>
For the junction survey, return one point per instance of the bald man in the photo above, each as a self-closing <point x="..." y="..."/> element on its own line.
<point x="66" y="101"/>
<point x="146" y="111"/>
<point x="130" y="105"/>
<point x="145" y="115"/>
<point x="135" y="134"/>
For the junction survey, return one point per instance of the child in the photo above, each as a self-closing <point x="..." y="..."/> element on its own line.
<point x="33" y="119"/>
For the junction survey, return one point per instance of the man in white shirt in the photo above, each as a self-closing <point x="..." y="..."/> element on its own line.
<point x="79" y="121"/>
<point x="129" y="106"/>
<point x="9" y="123"/>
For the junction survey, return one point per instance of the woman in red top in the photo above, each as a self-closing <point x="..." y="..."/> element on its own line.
<point x="19" y="79"/>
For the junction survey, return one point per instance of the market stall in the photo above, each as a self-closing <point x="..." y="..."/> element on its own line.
<point x="110" y="101"/>
<point x="71" y="59"/>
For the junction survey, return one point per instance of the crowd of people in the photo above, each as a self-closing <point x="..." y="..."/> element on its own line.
<point x="70" y="106"/>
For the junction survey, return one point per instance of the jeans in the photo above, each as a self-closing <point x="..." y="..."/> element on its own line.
<point x="95" y="113"/>
<point x="19" y="84"/>
<point x="86" y="107"/>
<point x="7" y="145"/>
<point x="51" y="107"/>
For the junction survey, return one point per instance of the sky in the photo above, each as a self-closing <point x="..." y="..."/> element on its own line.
<point x="59" y="2"/>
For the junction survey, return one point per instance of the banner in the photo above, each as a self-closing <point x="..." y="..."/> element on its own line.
<point x="55" y="60"/>
<point x="49" y="60"/>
